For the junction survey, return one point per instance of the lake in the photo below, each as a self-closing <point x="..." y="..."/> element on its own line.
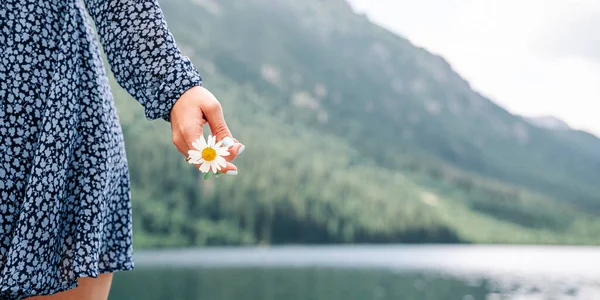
<point x="364" y="272"/>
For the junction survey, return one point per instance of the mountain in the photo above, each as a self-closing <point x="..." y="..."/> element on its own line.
<point x="353" y="135"/>
<point x="548" y="122"/>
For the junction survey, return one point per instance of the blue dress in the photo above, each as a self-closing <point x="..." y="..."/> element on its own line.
<point x="65" y="207"/>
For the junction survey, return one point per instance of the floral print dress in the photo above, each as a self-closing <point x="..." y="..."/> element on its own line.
<point x="65" y="207"/>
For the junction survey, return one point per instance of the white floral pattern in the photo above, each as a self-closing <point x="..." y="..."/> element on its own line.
<point x="65" y="209"/>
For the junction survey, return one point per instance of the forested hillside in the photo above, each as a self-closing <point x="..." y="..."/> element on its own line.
<point x="353" y="135"/>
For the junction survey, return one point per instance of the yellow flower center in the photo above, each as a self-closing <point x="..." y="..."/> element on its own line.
<point x="209" y="154"/>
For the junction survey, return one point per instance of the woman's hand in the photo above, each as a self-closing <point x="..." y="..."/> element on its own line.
<point x="196" y="107"/>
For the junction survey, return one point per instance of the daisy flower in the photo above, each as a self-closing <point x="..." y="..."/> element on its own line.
<point x="209" y="154"/>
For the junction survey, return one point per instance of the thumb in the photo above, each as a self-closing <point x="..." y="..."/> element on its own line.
<point x="218" y="126"/>
<point x="213" y="113"/>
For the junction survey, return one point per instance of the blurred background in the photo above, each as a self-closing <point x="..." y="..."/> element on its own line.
<point x="395" y="150"/>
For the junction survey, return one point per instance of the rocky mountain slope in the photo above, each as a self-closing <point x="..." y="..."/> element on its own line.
<point x="354" y="135"/>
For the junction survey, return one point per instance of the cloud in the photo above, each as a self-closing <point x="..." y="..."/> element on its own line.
<point x="533" y="57"/>
<point x="574" y="33"/>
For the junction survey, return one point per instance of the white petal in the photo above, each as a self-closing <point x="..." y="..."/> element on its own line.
<point x="212" y="140"/>
<point x="201" y="143"/>
<point x="196" y="145"/>
<point x="195" y="156"/>
<point x="218" y="144"/>
<point x="214" y="166"/>
<point x="205" y="167"/>
<point x="194" y="152"/>
<point x="221" y="161"/>
<point x="222" y="152"/>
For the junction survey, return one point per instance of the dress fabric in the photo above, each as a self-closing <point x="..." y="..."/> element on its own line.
<point x="65" y="209"/>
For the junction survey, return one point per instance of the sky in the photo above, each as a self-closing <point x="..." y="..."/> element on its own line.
<point x="533" y="57"/>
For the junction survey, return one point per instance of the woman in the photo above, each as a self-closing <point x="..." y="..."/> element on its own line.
<point x="65" y="214"/>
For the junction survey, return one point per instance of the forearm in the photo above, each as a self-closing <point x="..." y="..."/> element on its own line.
<point x="142" y="53"/>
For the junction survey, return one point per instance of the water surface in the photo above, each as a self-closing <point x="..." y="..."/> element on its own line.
<point x="364" y="272"/>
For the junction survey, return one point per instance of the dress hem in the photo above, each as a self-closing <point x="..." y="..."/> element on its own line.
<point x="126" y="266"/>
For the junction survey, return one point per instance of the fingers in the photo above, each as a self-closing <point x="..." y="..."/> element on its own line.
<point x="235" y="151"/>
<point x="213" y="112"/>
<point x="187" y="129"/>
<point x="180" y="144"/>
<point x="229" y="169"/>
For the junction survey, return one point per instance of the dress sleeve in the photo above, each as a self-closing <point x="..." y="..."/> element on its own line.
<point x="142" y="53"/>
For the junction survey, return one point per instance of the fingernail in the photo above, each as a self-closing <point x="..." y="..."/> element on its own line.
<point x="232" y="173"/>
<point x="242" y="148"/>
<point x="228" y="142"/>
